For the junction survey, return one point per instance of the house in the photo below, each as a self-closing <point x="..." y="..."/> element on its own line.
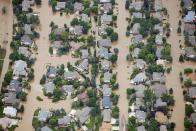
<point x="140" y="116"/>
<point x="11" y="100"/>
<point x="77" y="30"/>
<point x="78" y="7"/>
<point x="135" y="29"/>
<point x="44" y="115"/>
<point x="51" y="72"/>
<point x="85" y="17"/>
<point x="6" y="122"/>
<point x="69" y="75"/>
<point x="140" y="63"/>
<point x="107" y="115"/>
<point x="159" y="52"/>
<point x="159" y="27"/>
<point x="60" y="5"/>
<point x="84" y="53"/>
<point x="163" y="128"/>
<point x="188" y="4"/>
<point x="161" y="62"/>
<point x="68" y="89"/>
<point x="159" y="40"/>
<point x="107" y="77"/>
<point x="58" y="33"/>
<point x="27" y="29"/>
<point x="105" y="43"/>
<point x="10" y="111"/>
<point x="83" y="66"/>
<point x="189" y="29"/>
<point x="139" y="90"/>
<point x="158" y="6"/>
<point x="107" y="7"/>
<point x="141" y="128"/>
<point x="192" y="92"/>
<point x="193" y="118"/>
<point x="158" y="15"/>
<point x="26" y="5"/>
<point x="160" y="103"/>
<point x="83" y="115"/>
<point x="20" y="68"/>
<point x="190" y="52"/>
<point x="15" y="86"/>
<point x="66" y="120"/>
<point x="158" y="77"/>
<point x="161" y="117"/>
<point x="46" y="128"/>
<point x="104" y="53"/>
<point x="104" y="1"/>
<point x="105" y="65"/>
<point x="106" y="90"/>
<point x="159" y="89"/>
<point x="139" y="78"/>
<point x="136" y="52"/>
<point x="137" y="39"/>
<point x="137" y="5"/>
<point x="106" y="19"/>
<point x="49" y="87"/>
<point x="106" y="102"/>
<point x="83" y="97"/>
<point x="26" y="52"/>
<point x="138" y="15"/>
<point x="57" y="45"/>
<point x="26" y="40"/>
<point x="191" y="40"/>
<point x="190" y="17"/>
<point x="139" y="103"/>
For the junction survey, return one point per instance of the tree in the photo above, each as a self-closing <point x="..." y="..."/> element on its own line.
<point x="181" y="58"/>
<point x="65" y="36"/>
<point x="43" y="80"/>
<point x="153" y="125"/>
<point x="115" y="112"/>
<point x="74" y="22"/>
<point x="187" y="123"/>
<point x="188" y="82"/>
<point x="114" y="58"/>
<point x="169" y="99"/>
<point x="114" y="36"/>
<point x="4" y="10"/>
<point x="155" y="68"/>
<point x="38" y="2"/>
<point x="188" y="110"/>
<point x="150" y="58"/>
<point x="149" y="98"/>
<point x="8" y="77"/>
<point x="23" y="96"/>
<point x="127" y="4"/>
<point x="179" y="30"/>
<point x="135" y="72"/>
<point x="90" y="41"/>
<point x="109" y="31"/>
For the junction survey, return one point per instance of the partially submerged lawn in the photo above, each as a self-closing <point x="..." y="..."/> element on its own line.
<point x="2" y="56"/>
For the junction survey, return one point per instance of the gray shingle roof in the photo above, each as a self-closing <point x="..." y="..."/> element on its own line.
<point x="106" y="102"/>
<point x="106" y="115"/>
<point x="44" y="115"/>
<point x="105" y="43"/>
<point x="140" y="115"/>
<point x="20" y="68"/>
<point x="49" y="87"/>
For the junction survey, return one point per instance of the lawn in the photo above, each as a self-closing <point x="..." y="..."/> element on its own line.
<point x="2" y="56"/>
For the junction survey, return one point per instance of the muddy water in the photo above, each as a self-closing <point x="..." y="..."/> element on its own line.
<point x="43" y="59"/>
<point x="123" y="68"/>
<point x="6" y="22"/>
<point x="173" y="81"/>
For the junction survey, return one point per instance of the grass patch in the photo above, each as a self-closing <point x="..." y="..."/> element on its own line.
<point x="39" y="98"/>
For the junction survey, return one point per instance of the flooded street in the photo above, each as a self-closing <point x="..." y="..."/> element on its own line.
<point x="173" y="7"/>
<point x="123" y="68"/>
<point x="6" y="22"/>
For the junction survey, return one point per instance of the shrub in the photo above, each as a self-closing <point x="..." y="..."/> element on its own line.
<point x="39" y="98"/>
<point x="187" y="82"/>
<point x="188" y="70"/>
<point x="43" y="80"/>
<point x="115" y="112"/>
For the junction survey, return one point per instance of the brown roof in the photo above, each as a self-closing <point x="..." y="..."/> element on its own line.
<point x="106" y="127"/>
<point x="192" y="76"/>
<point x="160" y="117"/>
